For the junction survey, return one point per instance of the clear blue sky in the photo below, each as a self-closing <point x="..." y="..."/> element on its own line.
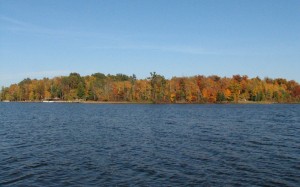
<point x="46" y="38"/>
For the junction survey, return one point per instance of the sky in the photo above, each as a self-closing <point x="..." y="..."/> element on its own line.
<point x="47" y="38"/>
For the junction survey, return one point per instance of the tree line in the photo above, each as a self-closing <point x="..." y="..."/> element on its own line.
<point x="155" y="89"/>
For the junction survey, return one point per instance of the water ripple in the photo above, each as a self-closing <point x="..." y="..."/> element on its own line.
<point x="149" y="145"/>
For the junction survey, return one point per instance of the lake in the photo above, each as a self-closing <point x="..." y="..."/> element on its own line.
<point x="57" y="144"/>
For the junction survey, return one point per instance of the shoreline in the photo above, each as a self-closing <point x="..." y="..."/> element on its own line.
<point x="128" y="102"/>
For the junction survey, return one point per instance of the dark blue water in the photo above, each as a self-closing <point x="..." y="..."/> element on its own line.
<point x="48" y="144"/>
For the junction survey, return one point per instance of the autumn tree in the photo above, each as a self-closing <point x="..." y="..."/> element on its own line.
<point x="157" y="89"/>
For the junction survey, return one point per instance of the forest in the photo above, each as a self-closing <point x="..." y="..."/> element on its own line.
<point x="156" y="88"/>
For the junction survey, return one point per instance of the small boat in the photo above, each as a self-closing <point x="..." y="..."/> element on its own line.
<point x="48" y="101"/>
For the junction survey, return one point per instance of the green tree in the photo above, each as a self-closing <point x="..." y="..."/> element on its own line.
<point x="220" y="97"/>
<point x="80" y="91"/>
<point x="74" y="80"/>
<point x="158" y="84"/>
<point x="2" y="93"/>
<point x="182" y="90"/>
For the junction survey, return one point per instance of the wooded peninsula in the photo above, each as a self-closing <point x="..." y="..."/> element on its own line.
<point x="156" y="88"/>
